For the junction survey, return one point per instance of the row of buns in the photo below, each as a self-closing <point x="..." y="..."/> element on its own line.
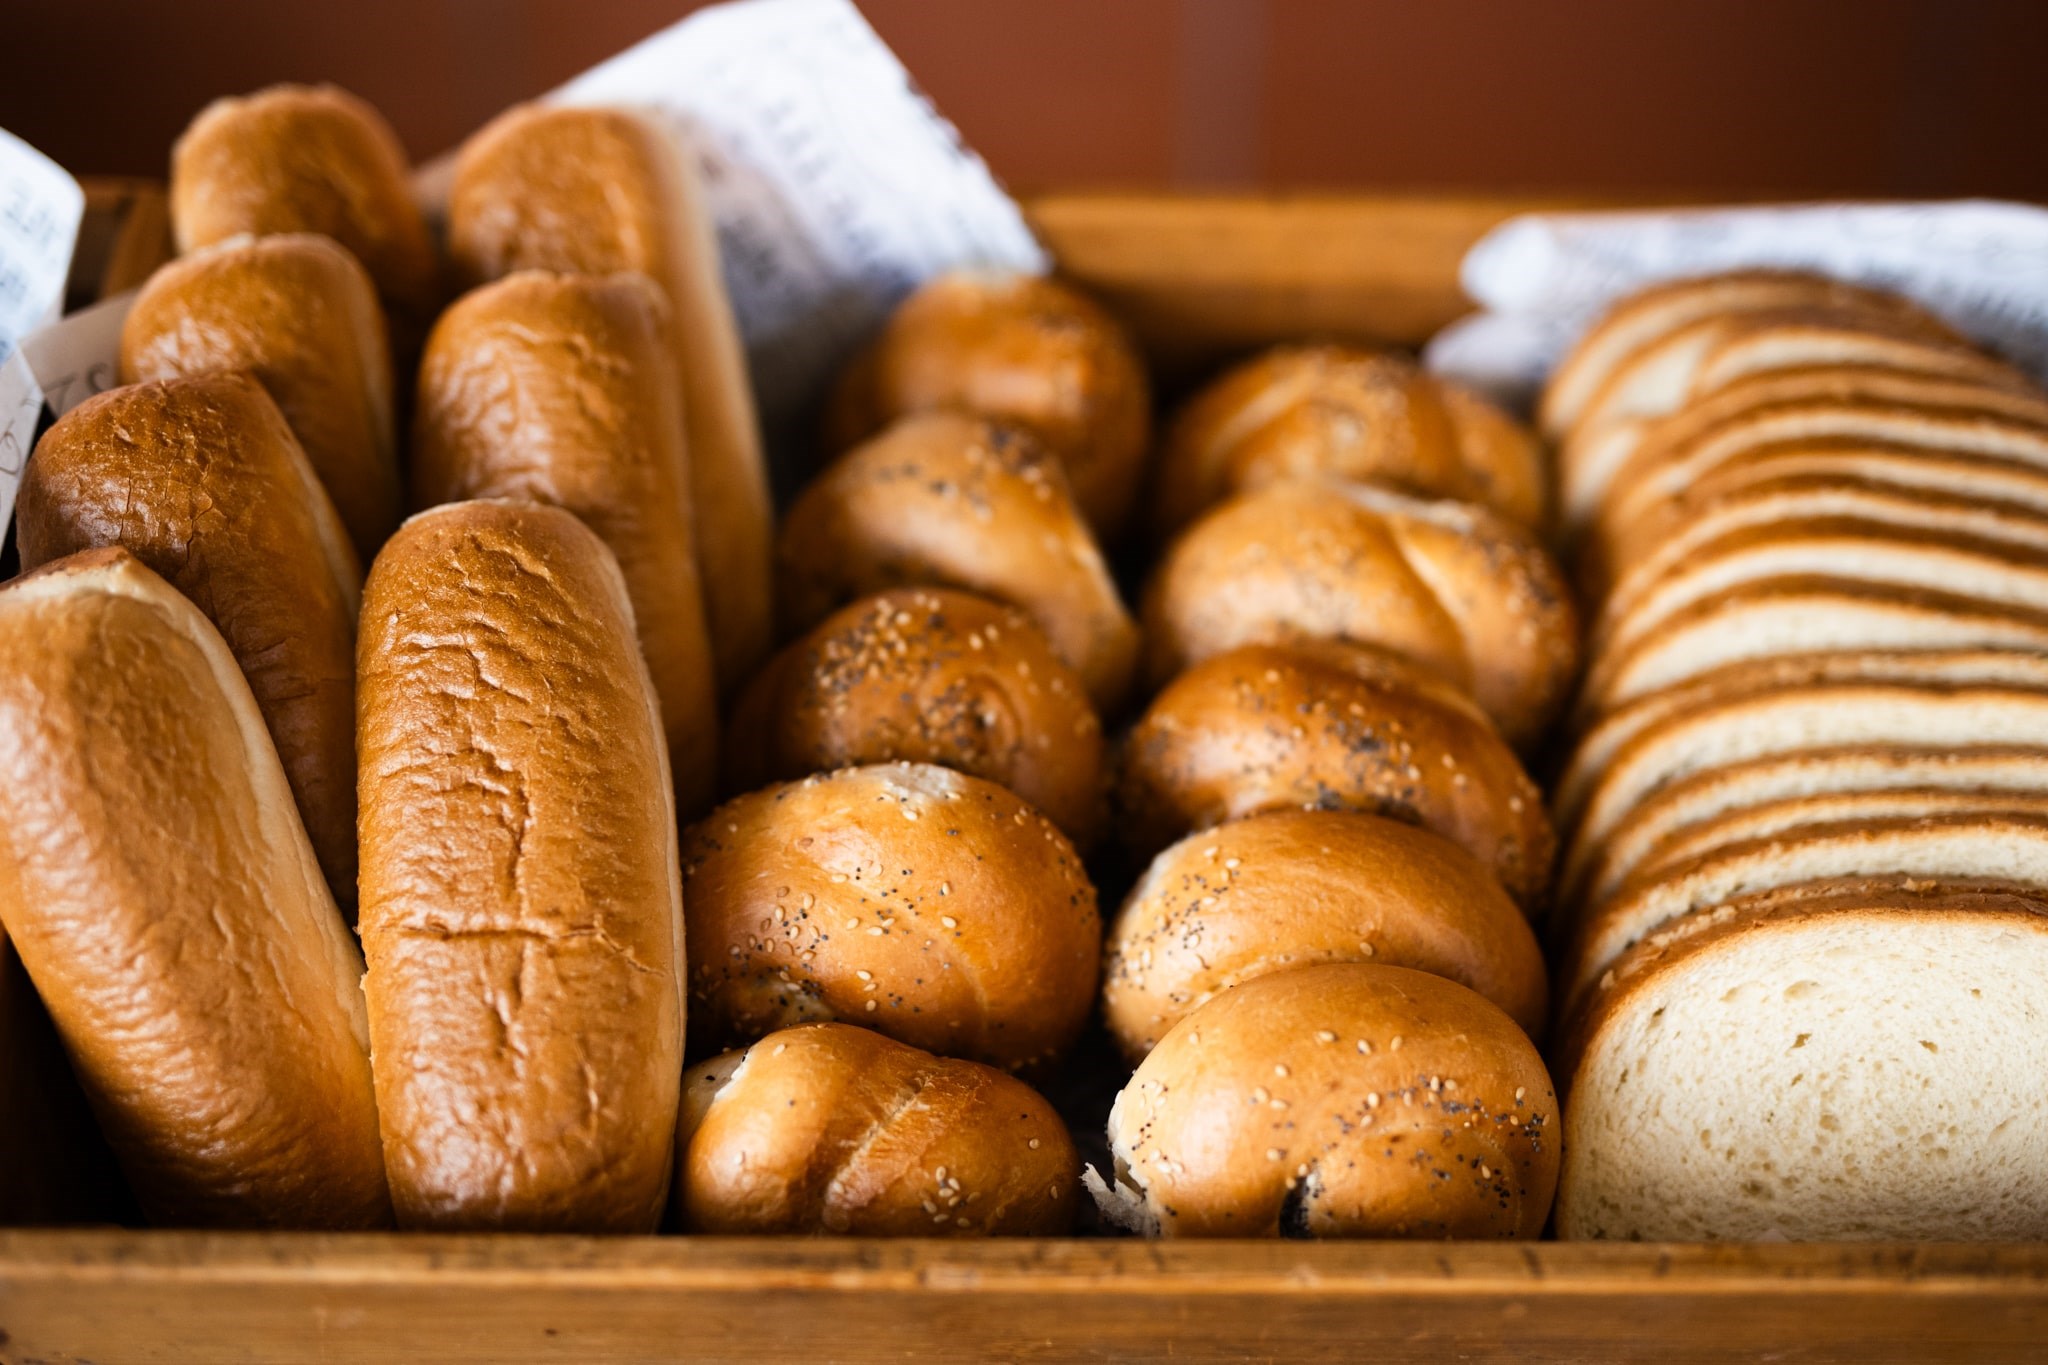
<point x="1802" y="813"/>
<point x="494" y="739"/>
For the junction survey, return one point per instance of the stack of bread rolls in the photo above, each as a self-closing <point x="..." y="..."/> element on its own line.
<point x="1806" y="809"/>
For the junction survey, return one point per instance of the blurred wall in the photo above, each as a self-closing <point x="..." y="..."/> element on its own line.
<point x="1755" y="97"/>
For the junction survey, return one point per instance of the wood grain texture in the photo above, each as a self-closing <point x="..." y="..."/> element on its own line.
<point x="115" y="1297"/>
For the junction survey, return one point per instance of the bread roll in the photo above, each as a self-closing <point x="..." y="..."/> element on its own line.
<point x="296" y="311"/>
<point x="298" y="158"/>
<point x="162" y="893"/>
<point x="1293" y="888"/>
<point x="828" y="1128"/>
<point x="1020" y="349"/>
<point x="592" y="191"/>
<point x="202" y="481"/>
<point x="562" y="389"/>
<point x="1802" y="774"/>
<point x="1852" y="1067"/>
<point x="932" y="906"/>
<point x="946" y="500"/>
<point x="1344" y="1100"/>
<point x="1453" y="587"/>
<point x="1322" y="725"/>
<point x="522" y="903"/>
<point x="932" y="676"/>
<point x="1345" y="412"/>
<point x="1640" y="319"/>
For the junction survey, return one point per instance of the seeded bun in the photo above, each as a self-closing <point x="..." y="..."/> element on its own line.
<point x="934" y="907"/>
<point x="1369" y="416"/>
<point x="1325" y="725"/>
<point x="943" y="499"/>
<point x="1452" y="586"/>
<point x="930" y="675"/>
<point x="1021" y="349"/>
<point x="826" y="1128"/>
<point x="1343" y="1100"/>
<point x="1294" y="888"/>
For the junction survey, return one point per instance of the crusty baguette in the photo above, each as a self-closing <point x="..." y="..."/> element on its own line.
<point x="1015" y="348"/>
<point x="826" y="1128"/>
<point x="159" y="887"/>
<point x="202" y="481"/>
<point x="296" y="311"/>
<point x="522" y="902"/>
<point x="593" y="191"/>
<point x="1287" y="889"/>
<point x="297" y="158"/>
<point x="1342" y="1100"/>
<point x="562" y="389"/>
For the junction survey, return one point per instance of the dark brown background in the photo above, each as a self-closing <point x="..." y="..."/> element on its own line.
<point x="1886" y="97"/>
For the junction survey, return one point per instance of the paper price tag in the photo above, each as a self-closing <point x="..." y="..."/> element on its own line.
<point x="1980" y="265"/>
<point x="21" y="408"/>
<point x="80" y="356"/>
<point x="836" y="187"/>
<point x="40" y="209"/>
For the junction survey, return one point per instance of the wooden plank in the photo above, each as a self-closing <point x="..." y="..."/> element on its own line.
<point x="115" y="1296"/>
<point x="1199" y="277"/>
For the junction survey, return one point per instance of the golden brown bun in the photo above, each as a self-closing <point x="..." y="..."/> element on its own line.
<point x="158" y="886"/>
<point x="832" y="1129"/>
<point x="299" y="158"/>
<point x="1021" y="349"/>
<point x="1331" y="726"/>
<point x="1349" y="413"/>
<point x="935" y="907"/>
<point x="593" y="191"/>
<point x="203" y="482"/>
<point x="949" y="500"/>
<point x="928" y="675"/>
<point x="562" y="389"/>
<point x="1343" y="1100"/>
<point x="296" y="311"/>
<point x="522" y="906"/>
<point x="1453" y="587"/>
<point x="1294" y="888"/>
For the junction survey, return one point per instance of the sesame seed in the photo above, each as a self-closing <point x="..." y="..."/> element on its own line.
<point x="1034" y="1144"/>
<point x="871" y="1004"/>
<point x="876" y="931"/>
<point x="1280" y="1069"/>
<point x="939" y="1174"/>
<point x="1520" y="1091"/>
<point x="949" y="921"/>
<point x="865" y="975"/>
<point x="1324" y="1035"/>
<point x="1485" y="1171"/>
<point x="1372" y="1099"/>
<point x="1364" y="1046"/>
<point x="1274" y="1154"/>
<point x="945" y="888"/>
<point x="1395" y="1046"/>
<point x="1260" y="1094"/>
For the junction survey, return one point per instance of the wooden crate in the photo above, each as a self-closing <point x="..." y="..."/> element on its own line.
<point x="1198" y="278"/>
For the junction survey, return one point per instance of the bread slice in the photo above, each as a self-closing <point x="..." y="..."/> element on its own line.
<point x="1646" y="553"/>
<point x="1839" y="547"/>
<point x="1643" y="317"/>
<point x="1845" y="1066"/>
<point x="1774" y="818"/>
<point x="2011" y="846"/>
<point x="1721" y="728"/>
<point x="1814" y="405"/>
<point x="2016" y="771"/>
<point x="1796" y="614"/>
<point x="1605" y="462"/>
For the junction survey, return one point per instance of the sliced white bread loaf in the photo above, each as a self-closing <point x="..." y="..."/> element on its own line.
<point x="2010" y="771"/>
<point x="1644" y="317"/>
<point x="2009" y="846"/>
<point x="1773" y="617"/>
<point x="1860" y="1065"/>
